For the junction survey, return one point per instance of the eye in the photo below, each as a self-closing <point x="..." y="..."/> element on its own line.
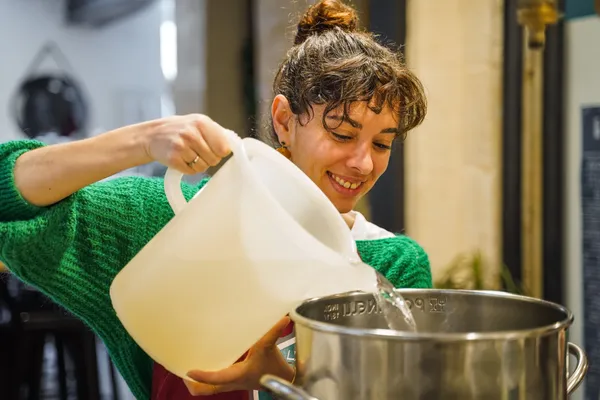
<point x="382" y="146"/>
<point x="341" y="138"/>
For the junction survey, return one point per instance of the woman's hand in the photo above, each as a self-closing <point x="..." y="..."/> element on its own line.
<point x="263" y="358"/>
<point x="190" y="143"/>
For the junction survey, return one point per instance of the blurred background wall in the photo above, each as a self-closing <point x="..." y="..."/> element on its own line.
<point x="582" y="101"/>
<point x="453" y="161"/>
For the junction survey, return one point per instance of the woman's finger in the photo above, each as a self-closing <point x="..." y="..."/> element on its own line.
<point x="214" y="136"/>
<point x="194" y="162"/>
<point x="228" y="376"/>
<point x="205" y="389"/>
<point x="197" y="143"/>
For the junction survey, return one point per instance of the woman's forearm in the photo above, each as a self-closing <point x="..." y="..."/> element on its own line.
<point x="188" y="143"/>
<point x="46" y="175"/>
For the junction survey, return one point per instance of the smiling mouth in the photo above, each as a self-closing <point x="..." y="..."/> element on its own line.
<point x="346" y="186"/>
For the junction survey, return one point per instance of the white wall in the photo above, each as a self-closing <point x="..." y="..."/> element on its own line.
<point x="453" y="161"/>
<point x="582" y="89"/>
<point x="115" y="64"/>
<point x="118" y="67"/>
<point x="189" y="87"/>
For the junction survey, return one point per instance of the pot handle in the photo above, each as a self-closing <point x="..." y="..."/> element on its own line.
<point x="283" y="389"/>
<point x="577" y="376"/>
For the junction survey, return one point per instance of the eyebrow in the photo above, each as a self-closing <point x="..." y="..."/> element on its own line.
<point x="356" y="124"/>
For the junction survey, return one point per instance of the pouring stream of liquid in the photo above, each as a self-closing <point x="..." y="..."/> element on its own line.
<point x="395" y="309"/>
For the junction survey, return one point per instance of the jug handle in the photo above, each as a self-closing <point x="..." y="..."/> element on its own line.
<point x="283" y="389"/>
<point x="577" y="376"/>
<point x="173" y="177"/>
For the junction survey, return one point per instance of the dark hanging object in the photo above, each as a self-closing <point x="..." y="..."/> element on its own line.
<point x="100" y="13"/>
<point x="49" y="102"/>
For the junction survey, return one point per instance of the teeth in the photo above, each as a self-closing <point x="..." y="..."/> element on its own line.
<point x="346" y="184"/>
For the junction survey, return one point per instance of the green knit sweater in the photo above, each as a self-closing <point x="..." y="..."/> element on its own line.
<point x="71" y="251"/>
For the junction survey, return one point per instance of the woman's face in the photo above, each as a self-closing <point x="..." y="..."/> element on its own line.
<point x="346" y="162"/>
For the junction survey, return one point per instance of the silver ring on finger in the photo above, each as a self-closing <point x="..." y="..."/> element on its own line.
<point x="192" y="163"/>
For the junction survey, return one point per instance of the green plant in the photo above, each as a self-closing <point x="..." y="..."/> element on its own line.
<point x="468" y="272"/>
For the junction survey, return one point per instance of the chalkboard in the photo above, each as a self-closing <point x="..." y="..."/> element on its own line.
<point x="590" y="203"/>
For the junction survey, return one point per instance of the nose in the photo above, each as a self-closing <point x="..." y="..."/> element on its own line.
<point x="361" y="159"/>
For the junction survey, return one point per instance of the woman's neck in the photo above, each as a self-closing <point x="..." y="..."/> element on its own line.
<point x="349" y="218"/>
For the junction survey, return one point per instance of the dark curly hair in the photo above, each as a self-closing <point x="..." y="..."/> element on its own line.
<point x="334" y="64"/>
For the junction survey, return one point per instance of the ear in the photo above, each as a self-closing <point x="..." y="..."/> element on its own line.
<point x="282" y="117"/>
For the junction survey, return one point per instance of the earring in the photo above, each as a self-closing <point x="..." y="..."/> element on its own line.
<point x="284" y="150"/>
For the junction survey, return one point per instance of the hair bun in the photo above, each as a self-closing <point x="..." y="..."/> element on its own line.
<point x="326" y="15"/>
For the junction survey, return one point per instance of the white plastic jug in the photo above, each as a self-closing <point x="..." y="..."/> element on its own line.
<point x="258" y="239"/>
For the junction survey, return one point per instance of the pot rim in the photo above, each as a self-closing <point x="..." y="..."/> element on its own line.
<point x="328" y="327"/>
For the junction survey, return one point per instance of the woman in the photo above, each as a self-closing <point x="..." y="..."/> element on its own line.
<point x="341" y="100"/>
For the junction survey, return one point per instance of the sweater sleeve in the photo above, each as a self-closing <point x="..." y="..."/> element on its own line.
<point x="71" y="251"/>
<point x="12" y="204"/>
<point x="400" y="259"/>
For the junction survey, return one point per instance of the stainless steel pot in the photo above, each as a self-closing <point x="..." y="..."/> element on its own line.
<point x="469" y="345"/>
